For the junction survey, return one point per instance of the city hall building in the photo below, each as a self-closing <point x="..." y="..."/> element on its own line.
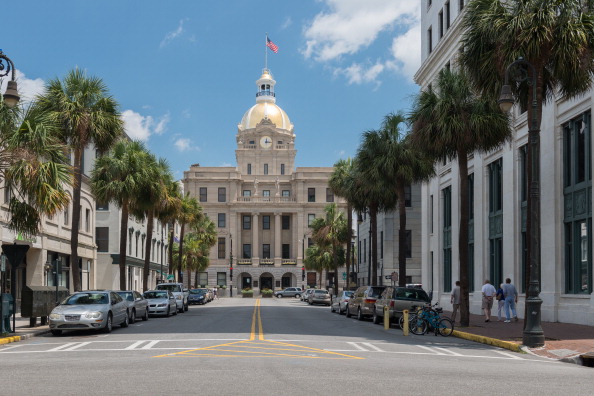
<point x="263" y="207"/>
<point x="499" y="194"/>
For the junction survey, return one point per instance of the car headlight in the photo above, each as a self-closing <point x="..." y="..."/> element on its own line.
<point x="178" y="297"/>
<point x="93" y="315"/>
<point x="162" y="305"/>
<point x="55" y="316"/>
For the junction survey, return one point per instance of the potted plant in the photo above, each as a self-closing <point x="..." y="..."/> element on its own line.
<point x="267" y="293"/>
<point x="247" y="293"/>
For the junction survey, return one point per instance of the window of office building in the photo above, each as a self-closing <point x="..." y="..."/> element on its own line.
<point x="408" y="253"/>
<point x="222" y="194"/>
<point x="101" y="205"/>
<point x="329" y="195"/>
<point x="430" y="39"/>
<point x="249" y="169"/>
<point x="577" y="165"/>
<point x="286" y="222"/>
<point x="310" y="218"/>
<point x="221" y="246"/>
<point x="247" y="193"/>
<point x="311" y="195"/>
<point x="222" y="220"/>
<point x="221" y="279"/>
<point x="66" y="215"/>
<point x="102" y="239"/>
<point x="286" y="251"/>
<point x="203" y="192"/>
<point x="286" y="193"/>
<point x="87" y="220"/>
<point x="247" y="251"/>
<point x="247" y="222"/>
<point x="282" y="169"/>
<point x="447" y="238"/>
<point x="266" y="193"/>
<point x="203" y="279"/>
<point x="266" y="222"/>
<point x="447" y="14"/>
<point x="496" y="222"/>
<point x="265" y="169"/>
<point x="266" y="250"/>
<point x="440" y="23"/>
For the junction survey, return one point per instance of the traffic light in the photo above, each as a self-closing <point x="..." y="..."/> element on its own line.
<point x="231" y="273"/>
<point x="302" y="273"/>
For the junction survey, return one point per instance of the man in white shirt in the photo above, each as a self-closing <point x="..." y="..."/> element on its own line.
<point x="455" y="300"/>
<point x="488" y="295"/>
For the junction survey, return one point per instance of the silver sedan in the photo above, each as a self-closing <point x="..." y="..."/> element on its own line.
<point x="339" y="303"/>
<point x="137" y="305"/>
<point x="89" y="310"/>
<point x="161" y="302"/>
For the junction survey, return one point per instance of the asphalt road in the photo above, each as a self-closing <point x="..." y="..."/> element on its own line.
<point x="274" y="347"/>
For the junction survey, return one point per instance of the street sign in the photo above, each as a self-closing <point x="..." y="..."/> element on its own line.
<point x="344" y="276"/>
<point x="170" y="276"/>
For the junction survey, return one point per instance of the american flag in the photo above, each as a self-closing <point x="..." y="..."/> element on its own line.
<point x="271" y="45"/>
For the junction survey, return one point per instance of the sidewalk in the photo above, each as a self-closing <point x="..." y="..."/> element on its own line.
<point x="563" y="341"/>
<point x="23" y="331"/>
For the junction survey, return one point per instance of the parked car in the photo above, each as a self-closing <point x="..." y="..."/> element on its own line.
<point x="340" y="301"/>
<point x="89" y="310"/>
<point x="319" y="296"/>
<point x="137" y="305"/>
<point x="305" y="295"/>
<point x="197" y="296"/>
<point x="289" y="292"/>
<point x="398" y="299"/>
<point x="181" y="294"/>
<point x="363" y="300"/>
<point x="161" y="302"/>
<point x="208" y="295"/>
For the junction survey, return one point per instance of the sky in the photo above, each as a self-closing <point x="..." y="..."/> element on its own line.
<point x="184" y="71"/>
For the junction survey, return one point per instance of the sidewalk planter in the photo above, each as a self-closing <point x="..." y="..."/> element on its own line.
<point x="247" y="293"/>
<point x="267" y="293"/>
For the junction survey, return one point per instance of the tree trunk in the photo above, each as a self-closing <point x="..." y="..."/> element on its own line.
<point x="463" y="239"/>
<point x="123" y="243"/>
<point x="170" y="251"/>
<point x="335" y="264"/>
<point x="180" y="251"/>
<point x="76" y="190"/>
<point x="349" y="247"/>
<point x="196" y="279"/>
<point x="189" y="276"/>
<point x="147" y="249"/>
<point x="373" y="224"/>
<point x="401" y="234"/>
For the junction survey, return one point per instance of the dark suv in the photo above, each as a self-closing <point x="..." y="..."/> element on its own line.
<point x="289" y="292"/>
<point x="398" y="299"/>
<point x="363" y="300"/>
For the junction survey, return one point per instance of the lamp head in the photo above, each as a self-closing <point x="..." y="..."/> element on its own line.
<point x="11" y="96"/>
<point x="506" y="99"/>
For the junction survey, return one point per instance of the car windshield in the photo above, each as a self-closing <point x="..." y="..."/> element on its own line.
<point x="172" y="287"/>
<point x="155" y="294"/>
<point x="375" y="291"/>
<point x="87" y="298"/>
<point x="196" y="291"/>
<point x="348" y="294"/>
<point x="127" y="296"/>
<point x="321" y="292"/>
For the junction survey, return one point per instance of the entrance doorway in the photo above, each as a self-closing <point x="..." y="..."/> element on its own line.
<point x="246" y="281"/>
<point x="266" y="281"/>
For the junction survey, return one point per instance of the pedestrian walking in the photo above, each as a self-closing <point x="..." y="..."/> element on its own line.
<point x="214" y="293"/>
<point x="488" y="294"/>
<point x="500" y="301"/>
<point x="455" y="300"/>
<point x="511" y="299"/>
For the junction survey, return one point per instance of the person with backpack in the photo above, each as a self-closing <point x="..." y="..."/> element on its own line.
<point x="500" y="301"/>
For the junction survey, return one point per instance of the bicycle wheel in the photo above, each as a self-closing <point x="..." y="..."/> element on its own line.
<point x="418" y="325"/>
<point x="445" y="327"/>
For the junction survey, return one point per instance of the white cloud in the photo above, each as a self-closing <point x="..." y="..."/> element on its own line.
<point x="286" y="23"/>
<point x="350" y="26"/>
<point x="182" y="144"/>
<point x="173" y="34"/>
<point x="27" y="88"/>
<point x="141" y="127"/>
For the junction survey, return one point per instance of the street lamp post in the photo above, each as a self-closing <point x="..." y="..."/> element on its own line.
<point x="533" y="335"/>
<point x="231" y="265"/>
<point x="11" y="96"/>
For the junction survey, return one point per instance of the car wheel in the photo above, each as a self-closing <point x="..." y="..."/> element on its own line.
<point x="297" y="295"/>
<point x="187" y="307"/>
<point x="279" y="296"/>
<point x="359" y="314"/>
<point x="181" y="310"/>
<point x="133" y="317"/>
<point x="331" y="308"/>
<point x="376" y="319"/>
<point x="57" y="332"/>
<point x="340" y="311"/>
<point x="145" y="317"/>
<point x="126" y="321"/>
<point x="346" y="312"/>
<point x="108" y="324"/>
<point x="175" y="311"/>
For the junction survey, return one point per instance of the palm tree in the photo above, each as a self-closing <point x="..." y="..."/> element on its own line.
<point x="556" y="37"/>
<point x="117" y="177"/>
<point x="33" y="166"/>
<point x="400" y="164"/>
<point x="318" y="258"/>
<point x="371" y="190"/>
<point x="340" y="182"/>
<point x="190" y="214"/>
<point x="204" y="231"/>
<point x="86" y="115"/>
<point x="450" y="122"/>
<point x="331" y="231"/>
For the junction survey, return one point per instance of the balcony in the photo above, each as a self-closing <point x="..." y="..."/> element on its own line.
<point x="267" y="262"/>
<point x="244" y="262"/>
<point x="289" y="262"/>
<point x="266" y="199"/>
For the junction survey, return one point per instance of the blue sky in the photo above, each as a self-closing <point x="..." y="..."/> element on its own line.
<point x="184" y="71"/>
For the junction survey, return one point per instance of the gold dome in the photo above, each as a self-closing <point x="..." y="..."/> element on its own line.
<point x="265" y="110"/>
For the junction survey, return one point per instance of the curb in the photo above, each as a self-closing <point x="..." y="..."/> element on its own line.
<point x="17" y="338"/>
<point x="512" y="346"/>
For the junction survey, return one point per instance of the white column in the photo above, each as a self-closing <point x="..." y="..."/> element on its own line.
<point x="255" y="242"/>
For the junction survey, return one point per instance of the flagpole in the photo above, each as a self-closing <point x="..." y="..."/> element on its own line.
<point x="266" y="52"/>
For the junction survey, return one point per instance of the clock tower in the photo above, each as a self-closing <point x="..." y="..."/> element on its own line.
<point x="265" y="138"/>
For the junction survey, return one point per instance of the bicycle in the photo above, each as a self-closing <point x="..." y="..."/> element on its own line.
<point x="429" y="318"/>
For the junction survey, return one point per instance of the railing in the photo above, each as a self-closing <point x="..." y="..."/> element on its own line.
<point x="265" y="93"/>
<point x="289" y="262"/>
<point x="266" y="199"/>
<point x="244" y="262"/>
<point x="266" y="262"/>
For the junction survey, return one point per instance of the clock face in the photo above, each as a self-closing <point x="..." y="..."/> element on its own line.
<point x="266" y="142"/>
